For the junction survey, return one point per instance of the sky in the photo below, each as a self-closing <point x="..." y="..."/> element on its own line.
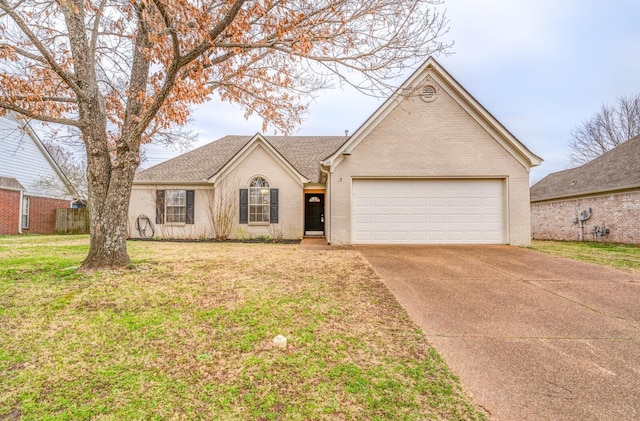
<point x="541" y="67"/>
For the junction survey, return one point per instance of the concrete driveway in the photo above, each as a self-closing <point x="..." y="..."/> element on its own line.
<point x="531" y="336"/>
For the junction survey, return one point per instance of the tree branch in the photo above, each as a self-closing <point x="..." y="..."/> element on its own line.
<point x="45" y="98"/>
<point x="175" y="44"/>
<point x="24" y="53"/>
<point x="35" y="116"/>
<point x="172" y="72"/>
<point x="96" y="27"/>
<point x="214" y="33"/>
<point x="67" y="77"/>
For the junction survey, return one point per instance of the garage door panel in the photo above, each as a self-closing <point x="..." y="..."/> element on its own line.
<point x="400" y="219"/>
<point x="400" y="235"/>
<point x="455" y="219"/>
<point x="381" y="219"/>
<point x="381" y="236"/>
<point x="417" y="219"/>
<point x="436" y="236"/>
<point x="493" y="219"/>
<point x="417" y="236"/>
<point x="437" y="218"/>
<point x="427" y="211"/>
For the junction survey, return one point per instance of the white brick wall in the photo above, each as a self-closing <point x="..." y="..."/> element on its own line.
<point x="143" y="202"/>
<point x="437" y="139"/>
<point x="257" y="163"/>
<point x="290" y="209"/>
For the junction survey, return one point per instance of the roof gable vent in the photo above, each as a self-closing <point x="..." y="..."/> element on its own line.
<point x="428" y="93"/>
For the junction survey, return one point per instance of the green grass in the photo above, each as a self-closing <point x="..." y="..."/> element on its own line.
<point x="624" y="256"/>
<point x="186" y="332"/>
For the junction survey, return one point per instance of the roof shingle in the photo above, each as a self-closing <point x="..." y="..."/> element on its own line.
<point x="10" y="183"/>
<point x="616" y="169"/>
<point x="304" y="153"/>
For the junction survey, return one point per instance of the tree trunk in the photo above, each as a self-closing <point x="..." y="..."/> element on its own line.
<point x="109" y="192"/>
<point x="108" y="245"/>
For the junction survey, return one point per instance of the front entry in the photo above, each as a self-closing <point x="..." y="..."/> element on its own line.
<point x="314" y="214"/>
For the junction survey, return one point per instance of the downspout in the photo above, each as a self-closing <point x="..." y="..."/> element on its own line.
<point x="327" y="234"/>
<point x="20" y="212"/>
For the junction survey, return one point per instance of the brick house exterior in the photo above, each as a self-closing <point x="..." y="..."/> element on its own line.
<point x="42" y="218"/>
<point x="9" y="211"/>
<point x="430" y="166"/>
<point x="607" y="189"/>
<point x="25" y="205"/>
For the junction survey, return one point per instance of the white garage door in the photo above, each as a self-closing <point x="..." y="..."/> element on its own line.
<point x="427" y="212"/>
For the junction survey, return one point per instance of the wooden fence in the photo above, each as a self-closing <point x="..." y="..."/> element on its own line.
<point x="72" y="221"/>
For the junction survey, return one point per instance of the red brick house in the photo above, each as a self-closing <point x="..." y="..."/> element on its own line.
<point x="25" y="205"/>
<point x="598" y="201"/>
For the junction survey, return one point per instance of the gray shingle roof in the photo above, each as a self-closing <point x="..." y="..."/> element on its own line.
<point x="616" y="169"/>
<point x="10" y="183"/>
<point x="304" y="153"/>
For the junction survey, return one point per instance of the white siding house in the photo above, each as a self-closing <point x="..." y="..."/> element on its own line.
<point x="24" y="161"/>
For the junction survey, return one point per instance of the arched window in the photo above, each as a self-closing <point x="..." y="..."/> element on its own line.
<point x="259" y="200"/>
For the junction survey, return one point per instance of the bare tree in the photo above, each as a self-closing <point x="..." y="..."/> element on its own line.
<point x="120" y="71"/>
<point x="222" y="210"/>
<point x="610" y="127"/>
<point x="74" y="167"/>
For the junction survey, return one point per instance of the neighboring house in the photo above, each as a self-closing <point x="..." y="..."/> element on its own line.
<point x="25" y="206"/>
<point x="430" y="166"/>
<point x="598" y="201"/>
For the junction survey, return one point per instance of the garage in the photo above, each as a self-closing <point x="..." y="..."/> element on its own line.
<point x="427" y="211"/>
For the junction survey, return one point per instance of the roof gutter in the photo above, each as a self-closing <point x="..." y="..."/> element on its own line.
<point x="172" y="183"/>
<point x="327" y="234"/>
<point x="605" y="192"/>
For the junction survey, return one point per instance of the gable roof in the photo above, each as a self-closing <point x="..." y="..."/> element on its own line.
<point x="617" y="169"/>
<point x="9" y="183"/>
<point x="28" y="159"/>
<point x="303" y="153"/>
<point x="258" y="141"/>
<point x="431" y="68"/>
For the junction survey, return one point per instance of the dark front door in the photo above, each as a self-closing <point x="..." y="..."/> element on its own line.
<point x="314" y="212"/>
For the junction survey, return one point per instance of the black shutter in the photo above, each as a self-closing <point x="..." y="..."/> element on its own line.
<point x="273" y="203"/>
<point x="159" y="206"/>
<point x="190" y="200"/>
<point x="244" y="206"/>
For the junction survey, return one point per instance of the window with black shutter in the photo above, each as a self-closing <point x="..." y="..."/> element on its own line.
<point x="159" y="206"/>
<point x="258" y="203"/>
<point x="175" y="206"/>
<point x="244" y="206"/>
<point x="273" y="206"/>
<point x="190" y="206"/>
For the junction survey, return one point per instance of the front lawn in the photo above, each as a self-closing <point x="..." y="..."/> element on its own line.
<point x="624" y="256"/>
<point x="186" y="333"/>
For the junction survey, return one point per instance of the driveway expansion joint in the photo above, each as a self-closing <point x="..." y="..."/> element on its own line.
<point x="542" y="338"/>
<point x="595" y="310"/>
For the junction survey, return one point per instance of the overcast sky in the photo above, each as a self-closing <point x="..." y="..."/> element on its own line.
<point x="541" y="67"/>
